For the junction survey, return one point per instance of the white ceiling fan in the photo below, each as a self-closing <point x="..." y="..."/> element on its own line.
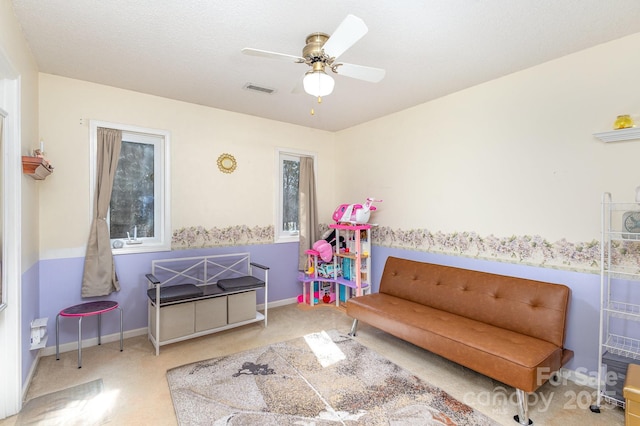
<point x="322" y="51"/>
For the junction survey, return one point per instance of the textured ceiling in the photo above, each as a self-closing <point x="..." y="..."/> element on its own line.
<point x="190" y="50"/>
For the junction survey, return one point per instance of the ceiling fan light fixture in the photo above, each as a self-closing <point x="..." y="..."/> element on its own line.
<point x="321" y="51"/>
<point x="318" y="83"/>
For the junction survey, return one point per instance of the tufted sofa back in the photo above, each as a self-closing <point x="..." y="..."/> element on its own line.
<point x="533" y="308"/>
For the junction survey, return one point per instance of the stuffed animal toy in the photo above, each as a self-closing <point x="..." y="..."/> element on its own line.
<point x="324" y="249"/>
<point x="330" y="237"/>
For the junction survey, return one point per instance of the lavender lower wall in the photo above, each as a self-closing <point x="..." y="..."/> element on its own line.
<point x="60" y="282"/>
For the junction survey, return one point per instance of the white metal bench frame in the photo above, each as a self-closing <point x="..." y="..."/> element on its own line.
<point x="204" y="271"/>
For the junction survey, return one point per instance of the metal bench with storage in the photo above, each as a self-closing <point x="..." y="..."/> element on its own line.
<point x="195" y="296"/>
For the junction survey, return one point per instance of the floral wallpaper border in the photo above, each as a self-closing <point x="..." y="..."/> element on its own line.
<point x="201" y="237"/>
<point x="531" y="250"/>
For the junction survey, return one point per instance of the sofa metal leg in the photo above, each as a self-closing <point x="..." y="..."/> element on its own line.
<point x="523" y="410"/>
<point x="354" y="326"/>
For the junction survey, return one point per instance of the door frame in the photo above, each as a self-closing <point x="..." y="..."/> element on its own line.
<point x="10" y="322"/>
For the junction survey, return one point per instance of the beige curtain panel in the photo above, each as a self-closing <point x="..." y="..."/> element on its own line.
<point x="99" y="277"/>
<point x="307" y="210"/>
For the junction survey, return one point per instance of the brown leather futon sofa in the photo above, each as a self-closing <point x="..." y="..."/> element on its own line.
<point x="509" y="329"/>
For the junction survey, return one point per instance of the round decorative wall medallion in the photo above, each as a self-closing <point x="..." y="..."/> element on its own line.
<point x="227" y="163"/>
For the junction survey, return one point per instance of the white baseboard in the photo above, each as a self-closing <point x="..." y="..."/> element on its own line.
<point x="32" y="372"/>
<point x="278" y="303"/>
<point x="73" y="346"/>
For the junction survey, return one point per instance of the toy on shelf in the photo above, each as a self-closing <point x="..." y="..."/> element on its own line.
<point x="328" y="270"/>
<point x="330" y="237"/>
<point x="355" y="213"/>
<point x="327" y="297"/>
<point x="311" y="262"/>
<point x="304" y="298"/>
<point x="338" y="263"/>
<point x="321" y="250"/>
<point x="320" y="267"/>
<point x="324" y="250"/>
<point x="354" y="259"/>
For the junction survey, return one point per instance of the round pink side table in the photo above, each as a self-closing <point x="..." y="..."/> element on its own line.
<point x="85" y="310"/>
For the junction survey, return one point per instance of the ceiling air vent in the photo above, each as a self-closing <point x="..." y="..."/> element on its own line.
<point x="256" y="88"/>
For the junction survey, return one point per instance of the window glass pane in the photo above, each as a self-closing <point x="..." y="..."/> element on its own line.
<point x="290" y="179"/>
<point x="132" y="198"/>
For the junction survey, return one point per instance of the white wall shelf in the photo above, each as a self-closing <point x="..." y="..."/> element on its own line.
<point x="619" y="135"/>
<point x="36" y="167"/>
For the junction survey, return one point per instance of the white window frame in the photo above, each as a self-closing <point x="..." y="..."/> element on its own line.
<point x="282" y="236"/>
<point x="162" y="206"/>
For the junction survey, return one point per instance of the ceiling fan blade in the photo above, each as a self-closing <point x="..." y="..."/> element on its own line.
<point x="272" y="55"/>
<point x="346" y="35"/>
<point x="370" y="74"/>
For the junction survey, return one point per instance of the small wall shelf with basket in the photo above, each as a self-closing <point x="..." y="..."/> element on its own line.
<point x="36" y="167"/>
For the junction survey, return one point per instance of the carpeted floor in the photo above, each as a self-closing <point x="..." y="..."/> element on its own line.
<point x="323" y="378"/>
<point x="135" y="381"/>
<point x="80" y="405"/>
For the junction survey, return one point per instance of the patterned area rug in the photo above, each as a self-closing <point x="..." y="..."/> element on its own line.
<point x="324" y="378"/>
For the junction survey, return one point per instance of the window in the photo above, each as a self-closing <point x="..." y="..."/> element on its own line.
<point x="139" y="215"/>
<point x="286" y="228"/>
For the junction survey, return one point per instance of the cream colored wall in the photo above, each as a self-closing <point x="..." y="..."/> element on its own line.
<point x="514" y="156"/>
<point x="201" y="194"/>
<point x="16" y="50"/>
